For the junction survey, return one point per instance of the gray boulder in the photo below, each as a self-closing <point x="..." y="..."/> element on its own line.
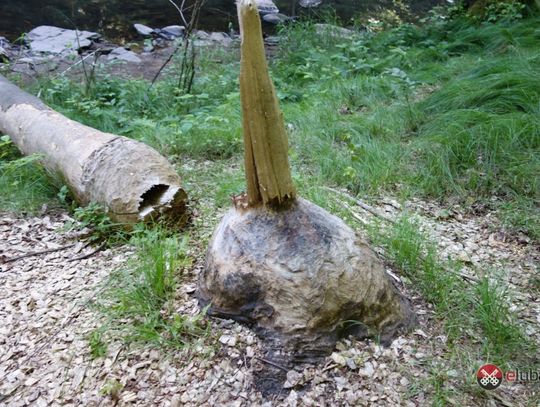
<point x="123" y="54"/>
<point x="267" y="7"/>
<point x="57" y="40"/>
<point x="201" y="35"/>
<point x="310" y="3"/>
<point x="4" y="57"/>
<point x="221" y="38"/>
<point x="275" y="18"/>
<point x="144" y="30"/>
<point x="176" y="31"/>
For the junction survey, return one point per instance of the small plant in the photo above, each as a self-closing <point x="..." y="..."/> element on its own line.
<point x="140" y="299"/>
<point x="101" y="228"/>
<point x="498" y="323"/>
<point x="112" y="388"/>
<point x="7" y="150"/>
<point x="509" y="10"/>
<point x="441" y="284"/>
<point x="64" y="195"/>
<point x="98" y="348"/>
<point x="24" y="183"/>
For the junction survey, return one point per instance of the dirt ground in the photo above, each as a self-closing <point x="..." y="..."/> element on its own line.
<point x="46" y="316"/>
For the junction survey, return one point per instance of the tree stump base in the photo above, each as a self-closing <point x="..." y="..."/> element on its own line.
<point x="301" y="278"/>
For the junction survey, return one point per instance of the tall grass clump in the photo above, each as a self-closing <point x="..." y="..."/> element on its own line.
<point x="447" y="111"/>
<point x="139" y="299"/>
<point x="475" y="313"/>
<point x="25" y="185"/>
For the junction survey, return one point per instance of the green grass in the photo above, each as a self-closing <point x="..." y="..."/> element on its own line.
<point x="98" y="347"/>
<point x="422" y="118"/>
<point x="446" y="111"/>
<point x="25" y="184"/>
<point x="138" y="301"/>
<point x="475" y="315"/>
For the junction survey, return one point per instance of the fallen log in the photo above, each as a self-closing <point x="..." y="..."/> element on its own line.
<point x="131" y="180"/>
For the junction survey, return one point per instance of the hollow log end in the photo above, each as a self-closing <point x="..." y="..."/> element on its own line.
<point x="136" y="183"/>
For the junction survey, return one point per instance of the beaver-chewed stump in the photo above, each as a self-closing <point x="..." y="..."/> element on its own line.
<point x="301" y="278"/>
<point x="295" y="273"/>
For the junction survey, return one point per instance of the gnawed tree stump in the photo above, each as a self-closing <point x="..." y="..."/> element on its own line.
<point x="131" y="180"/>
<point x="301" y="276"/>
<point x="297" y="274"/>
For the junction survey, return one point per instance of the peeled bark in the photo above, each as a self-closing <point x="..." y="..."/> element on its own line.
<point x="295" y="273"/>
<point x="130" y="179"/>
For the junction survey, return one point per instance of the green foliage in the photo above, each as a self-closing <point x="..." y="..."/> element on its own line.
<point x="485" y="11"/>
<point x="521" y="214"/>
<point x="101" y="228"/>
<point x="111" y="388"/>
<point x="24" y="183"/>
<point x="440" y="282"/>
<point x="496" y="10"/>
<point x="202" y="123"/>
<point x="507" y="10"/>
<point x="498" y="323"/>
<point x="98" y="348"/>
<point x="139" y="301"/>
<point x="449" y="110"/>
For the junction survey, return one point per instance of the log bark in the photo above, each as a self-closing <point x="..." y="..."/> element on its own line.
<point x="130" y="179"/>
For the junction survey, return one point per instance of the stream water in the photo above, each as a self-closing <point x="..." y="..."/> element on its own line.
<point x="114" y="18"/>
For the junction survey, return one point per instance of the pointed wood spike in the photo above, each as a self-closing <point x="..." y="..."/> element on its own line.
<point x="268" y="174"/>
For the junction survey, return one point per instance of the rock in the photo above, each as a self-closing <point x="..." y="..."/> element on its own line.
<point x="293" y="378"/>
<point x="123" y="55"/>
<point x="341" y="383"/>
<point x="464" y="257"/>
<point x="57" y="40"/>
<point x="203" y="38"/>
<point x="350" y="364"/>
<point x="267" y="7"/>
<point x="175" y="401"/>
<point x="221" y="37"/>
<point x="176" y="31"/>
<point x="310" y="3"/>
<point x="27" y="60"/>
<point x="160" y="42"/>
<point x="4" y="48"/>
<point x="144" y="30"/>
<point x="334" y="30"/>
<point x="275" y="18"/>
<point x="273" y="40"/>
<point x="201" y="35"/>
<point x="339" y="359"/>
